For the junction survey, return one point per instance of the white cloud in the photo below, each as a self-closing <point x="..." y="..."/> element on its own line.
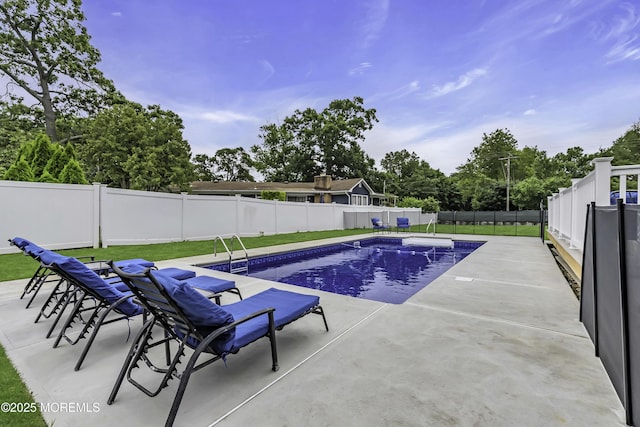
<point x="116" y="13"/>
<point x="623" y="34"/>
<point x="401" y="92"/>
<point x="360" y="69"/>
<point x="384" y="137"/>
<point x="462" y="82"/>
<point x="373" y="22"/>
<point x="221" y="116"/>
<point x="267" y="69"/>
<point x="530" y="112"/>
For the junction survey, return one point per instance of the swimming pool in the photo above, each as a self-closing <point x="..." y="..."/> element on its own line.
<point x="379" y="269"/>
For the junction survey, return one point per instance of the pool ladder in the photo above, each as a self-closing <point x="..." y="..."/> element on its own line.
<point x="237" y="265"/>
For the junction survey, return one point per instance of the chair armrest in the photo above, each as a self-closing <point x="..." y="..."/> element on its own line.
<point x="215" y="334"/>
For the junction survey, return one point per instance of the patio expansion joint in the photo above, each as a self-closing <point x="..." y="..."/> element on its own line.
<point x="272" y="383"/>
<point x="502" y="282"/>
<point x="496" y="320"/>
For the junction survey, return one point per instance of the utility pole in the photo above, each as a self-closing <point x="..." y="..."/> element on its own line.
<point x="508" y="159"/>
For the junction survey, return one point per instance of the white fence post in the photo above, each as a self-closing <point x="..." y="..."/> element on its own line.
<point x="96" y="214"/>
<point x="575" y="221"/>
<point x="183" y="214"/>
<point x="602" y="167"/>
<point x="103" y="229"/>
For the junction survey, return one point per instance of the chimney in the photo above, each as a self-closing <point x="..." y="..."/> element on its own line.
<point x="322" y="182"/>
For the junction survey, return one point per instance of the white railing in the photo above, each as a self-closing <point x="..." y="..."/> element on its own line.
<point x="568" y="207"/>
<point x="61" y="216"/>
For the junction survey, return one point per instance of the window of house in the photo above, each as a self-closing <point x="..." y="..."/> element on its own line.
<point x="300" y="199"/>
<point x="360" y="200"/>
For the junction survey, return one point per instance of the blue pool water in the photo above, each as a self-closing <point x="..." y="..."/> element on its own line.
<point x="379" y="269"/>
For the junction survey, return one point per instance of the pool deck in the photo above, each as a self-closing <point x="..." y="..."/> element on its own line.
<point x="495" y="341"/>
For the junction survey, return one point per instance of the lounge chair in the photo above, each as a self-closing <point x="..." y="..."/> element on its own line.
<point x="63" y="293"/>
<point x="93" y="300"/>
<point x="44" y="275"/>
<point x="191" y="320"/>
<point x="378" y="225"/>
<point x="402" y="224"/>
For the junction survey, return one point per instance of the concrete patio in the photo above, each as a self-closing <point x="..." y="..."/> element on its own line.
<point x="495" y="341"/>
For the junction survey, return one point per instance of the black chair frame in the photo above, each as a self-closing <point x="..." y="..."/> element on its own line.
<point x="166" y="314"/>
<point x="89" y="308"/>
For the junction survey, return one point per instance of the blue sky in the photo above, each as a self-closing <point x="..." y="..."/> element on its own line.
<point x="440" y="73"/>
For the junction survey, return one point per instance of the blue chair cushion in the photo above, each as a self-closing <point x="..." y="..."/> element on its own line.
<point x="205" y="315"/>
<point x="135" y="261"/>
<point x="48" y="257"/>
<point x="118" y="284"/>
<point x="288" y="307"/>
<point x="377" y="223"/>
<point x="174" y="273"/>
<point x="211" y="284"/>
<point x="90" y="279"/>
<point x="33" y="250"/>
<point x="20" y="242"/>
<point x="403" y="222"/>
<point x="177" y="273"/>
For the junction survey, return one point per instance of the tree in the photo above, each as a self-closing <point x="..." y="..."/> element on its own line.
<point x="41" y="151"/>
<point x="409" y="202"/>
<point x="233" y="164"/>
<point x="129" y="146"/>
<point x="311" y="143"/>
<point x="18" y="125"/>
<point x="400" y="163"/>
<point x="46" y="162"/>
<point x="481" y="179"/>
<point x="528" y="193"/>
<point x="572" y="164"/>
<point x="19" y="171"/>
<point x="45" y="50"/>
<point x="72" y="173"/>
<point x="59" y="159"/>
<point x="398" y="166"/>
<point x="430" y="204"/>
<point x="531" y="162"/>
<point x="626" y="149"/>
<point x="273" y="195"/>
<point x="422" y="182"/>
<point x="204" y="169"/>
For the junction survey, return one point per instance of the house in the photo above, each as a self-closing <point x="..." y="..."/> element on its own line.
<point x="323" y="189"/>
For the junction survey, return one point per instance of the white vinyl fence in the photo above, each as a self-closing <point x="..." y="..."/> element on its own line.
<point x="568" y="207"/>
<point x="61" y="216"/>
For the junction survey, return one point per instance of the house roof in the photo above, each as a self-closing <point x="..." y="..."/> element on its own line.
<point x="337" y="186"/>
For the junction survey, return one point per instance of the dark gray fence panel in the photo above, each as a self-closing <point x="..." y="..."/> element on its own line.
<point x="632" y="257"/>
<point x="511" y="216"/>
<point x="445" y="217"/>
<point x="608" y="295"/>
<point x="529" y="216"/>
<point x="485" y="217"/>
<point x="466" y="217"/>
<point x="587" y="302"/>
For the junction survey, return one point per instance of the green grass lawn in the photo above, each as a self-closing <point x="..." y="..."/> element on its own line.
<point x="18" y="266"/>
<point x="497" y="230"/>
<point x="19" y="408"/>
